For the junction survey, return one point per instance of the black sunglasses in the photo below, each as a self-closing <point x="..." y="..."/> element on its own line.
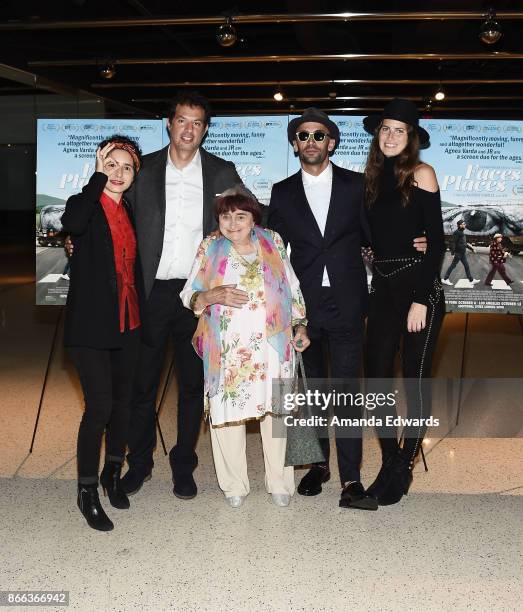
<point x="318" y="136"/>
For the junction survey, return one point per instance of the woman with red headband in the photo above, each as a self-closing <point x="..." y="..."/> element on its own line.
<point x="102" y="323"/>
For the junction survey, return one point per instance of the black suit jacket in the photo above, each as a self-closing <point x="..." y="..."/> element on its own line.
<point x="92" y="315"/>
<point x="346" y="231"/>
<point x="147" y="198"/>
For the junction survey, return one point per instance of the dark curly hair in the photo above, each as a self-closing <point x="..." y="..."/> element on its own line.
<point x="127" y="144"/>
<point x="190" y="97"/>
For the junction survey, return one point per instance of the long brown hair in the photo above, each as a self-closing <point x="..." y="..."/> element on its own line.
<point x="406" y="163"/>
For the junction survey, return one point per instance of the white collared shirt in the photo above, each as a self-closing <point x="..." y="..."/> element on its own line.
<point x="318" y="192"/>
<point x="183" y="218"/>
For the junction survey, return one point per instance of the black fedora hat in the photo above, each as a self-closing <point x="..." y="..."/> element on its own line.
<point x="314" y="115"/>
<point x="400" y="110"/>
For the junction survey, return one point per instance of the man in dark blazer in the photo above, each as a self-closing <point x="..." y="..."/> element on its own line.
<point x="319" y="212"/>
<point x="172" y="200"/>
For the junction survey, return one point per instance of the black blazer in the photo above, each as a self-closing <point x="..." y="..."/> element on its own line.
<point x="147" y="198"/>
<point x="92" y="315"/>
<point x="346" y="231"/>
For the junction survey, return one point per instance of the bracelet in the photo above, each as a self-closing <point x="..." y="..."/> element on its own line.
<point x="194" y="297"/>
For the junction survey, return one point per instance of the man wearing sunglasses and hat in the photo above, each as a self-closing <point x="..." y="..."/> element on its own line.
<point x="319" y="212"/>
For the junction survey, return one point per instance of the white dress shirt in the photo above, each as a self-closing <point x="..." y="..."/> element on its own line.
<point x="318" y="191"/>
<point x="183" y="218"/>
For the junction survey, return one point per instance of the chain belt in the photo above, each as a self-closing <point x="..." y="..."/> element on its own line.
<point x="405" y="264"/>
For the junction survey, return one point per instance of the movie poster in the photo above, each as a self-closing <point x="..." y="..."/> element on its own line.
<point x="478" y="163"/>
<point x="65" y="162"/>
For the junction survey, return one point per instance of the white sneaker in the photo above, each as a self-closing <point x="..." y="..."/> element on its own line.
<point x="235" y="501"/>
<point x="475" y="281"/>
<point x="65" y="276"/>
<point x="281" y="499"/>
<point x="446" y="281"/>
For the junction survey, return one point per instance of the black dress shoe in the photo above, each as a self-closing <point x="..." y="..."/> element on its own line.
<point x="133" y="480"/>
<point x="354" y="496"/>
<point x="311" y="483"/>
<point x="184" y="486"/>
<point x="89" y="504"/>
<point x="112" y="485"/>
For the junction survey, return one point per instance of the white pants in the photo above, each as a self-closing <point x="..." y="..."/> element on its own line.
<point x="230" y="459"/>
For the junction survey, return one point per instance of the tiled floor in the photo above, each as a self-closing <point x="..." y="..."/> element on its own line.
<point x="454" y="543"/>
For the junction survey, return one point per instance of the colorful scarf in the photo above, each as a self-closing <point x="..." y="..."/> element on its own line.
<point x="278" y="299"/>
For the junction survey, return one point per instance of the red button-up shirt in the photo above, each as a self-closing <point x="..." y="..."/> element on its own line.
<point x="124" y="245"/>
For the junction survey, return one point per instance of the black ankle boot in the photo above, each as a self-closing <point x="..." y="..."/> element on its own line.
<point x="389" y="449"/>
<point x="380" y="484"/>
<point x="90" y="507"/>
<point x="112" y="487"/>
<point x="399" y="481"/>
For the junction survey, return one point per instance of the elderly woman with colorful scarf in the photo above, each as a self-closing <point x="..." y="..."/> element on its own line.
<point x="248" y="298"/>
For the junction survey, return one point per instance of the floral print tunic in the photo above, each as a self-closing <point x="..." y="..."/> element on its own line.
<point x="248" y="361"/>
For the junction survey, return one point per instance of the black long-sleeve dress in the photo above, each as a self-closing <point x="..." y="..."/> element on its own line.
<point x="402" y="276"/>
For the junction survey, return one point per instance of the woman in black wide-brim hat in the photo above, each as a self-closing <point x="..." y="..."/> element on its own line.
<point x="406" y="302"/>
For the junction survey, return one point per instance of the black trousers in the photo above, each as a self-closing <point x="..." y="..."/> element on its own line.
<point x="337" y="344"/>
<point x="457" y="258"/>
<point x="390" y="301"/>
<point x="106" y="376"/>
<point x="165" y="316"/>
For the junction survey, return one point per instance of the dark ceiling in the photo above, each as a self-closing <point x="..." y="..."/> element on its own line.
<point x="153" y="60"/>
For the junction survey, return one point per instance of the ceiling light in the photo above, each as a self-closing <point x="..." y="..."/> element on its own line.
<point x="490" y="31"/>
<point x="278" y="94"/>
<point x="108" y="71"/>
<point x="439" y="94"/>
<point x="226" y="34"/>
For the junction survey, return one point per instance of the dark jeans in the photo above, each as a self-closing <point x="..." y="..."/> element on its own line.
<point x="498" y="267"/>
<point x="165" y="316"/>
<point x="106" y="376"/>
<point x="457" y="258"/>
<point x="343" y="343"/>
<point x="390" y="302"/>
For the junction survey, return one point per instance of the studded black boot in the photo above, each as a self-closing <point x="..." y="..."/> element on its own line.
<point x="399" y="479"/>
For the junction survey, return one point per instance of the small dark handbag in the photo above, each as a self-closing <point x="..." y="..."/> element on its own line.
<point x="303" y="446"/>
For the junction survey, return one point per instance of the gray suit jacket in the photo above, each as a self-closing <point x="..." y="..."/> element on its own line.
<point x="147" y="198"/>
